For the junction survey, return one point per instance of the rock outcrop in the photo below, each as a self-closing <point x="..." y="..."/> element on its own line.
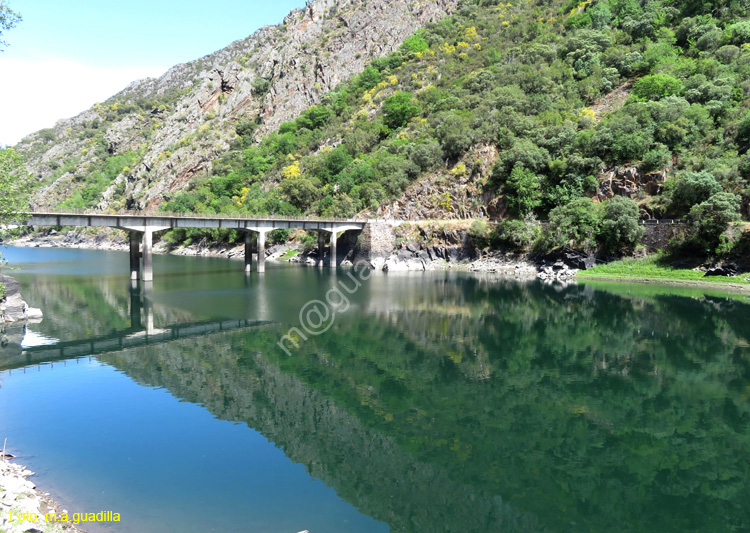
<point x="13" y="308"/>
<point x="174" y="127"/>
<point x="19" y="494"/>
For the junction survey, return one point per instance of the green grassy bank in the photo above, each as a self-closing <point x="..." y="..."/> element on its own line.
<point x="655" y="269"/>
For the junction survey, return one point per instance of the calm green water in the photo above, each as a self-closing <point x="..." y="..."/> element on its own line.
<point x="432" y="402"/>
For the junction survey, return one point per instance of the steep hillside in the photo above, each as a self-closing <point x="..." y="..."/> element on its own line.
<point x="522" y="109"/>
<point x="153" y="137"/>
<point x="589" y="114"/>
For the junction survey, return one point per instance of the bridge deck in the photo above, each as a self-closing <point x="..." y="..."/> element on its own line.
<point x="163" y="222"/>
<point x="142" y="227"/>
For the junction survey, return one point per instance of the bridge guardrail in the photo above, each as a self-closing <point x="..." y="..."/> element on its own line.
<point x="206" y="216"/>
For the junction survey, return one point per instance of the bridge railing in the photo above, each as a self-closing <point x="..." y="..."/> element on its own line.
<point x="200" y="216"/>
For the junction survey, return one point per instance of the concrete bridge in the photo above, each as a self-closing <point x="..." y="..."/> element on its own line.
<point x="143" y="227"/>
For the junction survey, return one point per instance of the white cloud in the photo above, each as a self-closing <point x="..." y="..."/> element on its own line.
<point x="36" y="94"/>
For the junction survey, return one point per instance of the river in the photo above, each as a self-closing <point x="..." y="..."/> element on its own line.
<point x="352" y="401"/>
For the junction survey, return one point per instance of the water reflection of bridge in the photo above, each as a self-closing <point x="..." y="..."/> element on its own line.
<point x="131" y="338"/>
<point x="141" y="332"/>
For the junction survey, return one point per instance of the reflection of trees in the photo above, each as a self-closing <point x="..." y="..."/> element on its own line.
<point x="79" y="309"/>
<point x="365" y="467"/>
<point x="577" y="406"/>
<point x="469" y="405"/>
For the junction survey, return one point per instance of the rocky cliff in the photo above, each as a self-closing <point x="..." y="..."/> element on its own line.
<point x="149" y="140"/>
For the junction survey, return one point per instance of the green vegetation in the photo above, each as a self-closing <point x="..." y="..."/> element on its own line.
<point x="8" y="19"/>
<point x="561" y="91"/>
<point x="15" y="185"/>
<point x="655" y="268"/>
<point x="521" y="77"/>
<point x="613" y="412"/>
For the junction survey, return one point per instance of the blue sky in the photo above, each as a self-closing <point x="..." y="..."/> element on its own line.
<point x="67" y="55"/>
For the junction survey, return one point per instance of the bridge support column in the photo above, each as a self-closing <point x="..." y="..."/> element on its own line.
<point x="135" y="254"/>
<point x="332" y="253"/>
<point x="148" y="264"/>
<point x="321" y="248"/>
<point x="248" y="252"/>
<point x="136" y="302"/>
<point x="261" y="251"/>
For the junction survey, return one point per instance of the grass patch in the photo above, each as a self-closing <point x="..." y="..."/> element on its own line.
<point x="653" y="268"/>
<point x="658" y="288"/>
<point x="289" y="254"/>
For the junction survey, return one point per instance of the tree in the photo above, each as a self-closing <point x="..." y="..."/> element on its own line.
<point x="711" y="218"/>
<point x="300" y="191"/>
<point x="577" y="221"/>
<point x="619" y="230"/>
<point x="8" y="19"/>
<point x="399" y="109"/>
<point x="524" y="190"/>
<point x="14" y="184"/>
<point x="692" y="188"/>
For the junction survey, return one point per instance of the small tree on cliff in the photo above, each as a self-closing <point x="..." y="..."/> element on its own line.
<point x="14" y="192"/>
<point x="14" y="184"/>
<point x="8" y="19"/>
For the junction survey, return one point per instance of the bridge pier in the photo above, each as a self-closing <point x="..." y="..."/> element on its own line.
<point x="135" y="254"/>
<point x="261" y="263"/>
<point x="141" y="247"/>
<point x="321" y="248"/>
<point x="332" y="260"/>
<point x="147" y="253"/>
<point x="261" y="252"/>
<point x="248" y="252"/>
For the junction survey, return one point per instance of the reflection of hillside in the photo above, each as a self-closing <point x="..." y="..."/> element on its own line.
<point x="592" y="409"/>
<point x="531" y="408"/>
<point x="365" y="467"/>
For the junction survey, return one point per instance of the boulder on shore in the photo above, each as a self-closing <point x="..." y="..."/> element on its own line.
<point x="13" y="308"/>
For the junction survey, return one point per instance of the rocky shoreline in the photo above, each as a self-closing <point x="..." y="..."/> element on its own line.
<point x="19" y="495"/>
<point x="405" y="257"/>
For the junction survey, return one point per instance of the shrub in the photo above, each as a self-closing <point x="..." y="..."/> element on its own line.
<point x="314" y="118"/>
<point x="399" y="109"/>
<point x="455" y="134"/>
<point x="577" y="222"/>
<point x="692" y="188"/>
<point x="657" y="86"/>
<point x="415" y="43"/>
<point x="739" y="33"/>
<point x="482" y="234"/>
<point x="520" y="234"/>
<point x="656" y="158"/>
<point x="300" y="191"/>
<point x="619" y="231"/>
<point x="260" y="86"/>
<point x="711" y="218"/>
<point x="523" y="190"/>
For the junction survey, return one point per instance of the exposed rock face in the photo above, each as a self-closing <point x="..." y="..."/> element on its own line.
<point x="180" y="123"/>
<point x="455" y="193"/>
<point x="568" y="257"/>
<point x="627" y="181"/>
<point x="13" y="308"/>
